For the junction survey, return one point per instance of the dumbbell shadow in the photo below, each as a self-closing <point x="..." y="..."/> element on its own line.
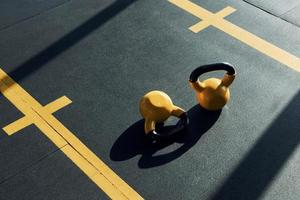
<point x="133" y="142"/>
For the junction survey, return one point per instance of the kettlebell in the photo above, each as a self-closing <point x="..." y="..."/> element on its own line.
<point x="213" y="93"/>
<point x="156" y="107"/>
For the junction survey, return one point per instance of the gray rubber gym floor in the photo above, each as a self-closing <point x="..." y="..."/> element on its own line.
<point x="105" y="55"/>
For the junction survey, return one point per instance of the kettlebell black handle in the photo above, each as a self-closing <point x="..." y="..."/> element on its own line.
<point x="212" y="67"/>
<point x="181" y="125"/>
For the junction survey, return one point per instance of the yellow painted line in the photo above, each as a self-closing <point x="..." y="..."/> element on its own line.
<point x="225" y="12"/>
<point x="74" y="149"/>
<point x="17" y="125"/>
<point x="235" y="31"/>
<point x="204" y="24"/>
<point x="26" y="121"/>
<point x="9" y="93"/>
<point x="57" y="104"/>
<point x="99" y="179"/>
<point x="199" y="26"/>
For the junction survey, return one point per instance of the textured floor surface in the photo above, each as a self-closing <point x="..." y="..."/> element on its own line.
<point x="105" y="55"/>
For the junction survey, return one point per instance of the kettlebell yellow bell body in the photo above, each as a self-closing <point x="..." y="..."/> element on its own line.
<point x="156" y="107"/>
<point x="212" y="94"/>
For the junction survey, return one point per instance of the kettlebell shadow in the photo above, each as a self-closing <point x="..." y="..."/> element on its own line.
<point x="133" y="142"/>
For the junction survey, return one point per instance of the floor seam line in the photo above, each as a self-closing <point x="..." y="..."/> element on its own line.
<point x="277" y="16"/>
<point x="31" y="165"/>
<point x="289" y="10"/>
<point x="32" y="16"/>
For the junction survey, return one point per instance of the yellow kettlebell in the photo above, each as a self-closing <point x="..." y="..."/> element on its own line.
<point x="156" y="107"/>
<point x="212" y="94"/>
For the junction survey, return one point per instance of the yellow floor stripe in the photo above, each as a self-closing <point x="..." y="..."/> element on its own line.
<point x="84" y="158"/>
<point x="8" y="92"/>
<point x="17" y="125"/>
<point x="57" y="104"/>
<point x="225" y="12"/>
<point x="204" y="24"/>
<point x="199" y="26"/>
<point x="98" y="178"/>
<point x="235" y="31"/>
<point x="26" y="121"/>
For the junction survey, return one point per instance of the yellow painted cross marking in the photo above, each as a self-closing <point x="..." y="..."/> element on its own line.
<point x="26" y="121"/>
<point x="217" y="20"/>
<point x="64" y="139"/>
